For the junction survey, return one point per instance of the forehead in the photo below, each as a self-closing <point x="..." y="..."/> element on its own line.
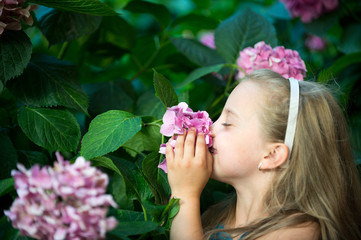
<point x="246" y="96"/>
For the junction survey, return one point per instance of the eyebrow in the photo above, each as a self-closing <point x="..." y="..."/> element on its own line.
<point x="231" y="112"/>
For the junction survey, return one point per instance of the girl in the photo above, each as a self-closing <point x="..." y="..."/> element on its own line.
<point x="283" y="146"/>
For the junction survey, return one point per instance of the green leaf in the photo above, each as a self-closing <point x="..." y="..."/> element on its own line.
<point x="133" y="228"/>
<point x="15" y="53"/>
<point x="323" y="24"/>
<point x="8" y="108"/>
<point x="6" y="186"/>
<point x="135" y="182"/>
<point x="60" y="26"/>
<point x="341" y="63"/>
<point x="30" y="158"/>
<point x="92" y="7"/>
<point x="147" y="139"/>
<point x="128" y="216"/>
<point x="196" y="21"/>
<point x="108" y="131"/>
<point x="8" y="156"/>
<point x="48" y="82"/>
<point x="51" y="129"/>
<point x="7" y="232"/>
<point x="350" y="40"/>
<point x="118" y="189"/>
<point x="110" y="95"/>
<point x="240" y="31"/>
<point x="151" y="172"/>
<point x="160" y="12"/>
<point x="200" y="72"/>
<point x="104" y="162"/>
<point x="117" y="31"/>
<point x="196" y="52"/>
<point x="170" y="211"/>
<point x="164" y="90"/>
<point x="149" y="105"/>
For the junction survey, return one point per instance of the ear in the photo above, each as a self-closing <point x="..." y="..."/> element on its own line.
<point x="275" y="157"/>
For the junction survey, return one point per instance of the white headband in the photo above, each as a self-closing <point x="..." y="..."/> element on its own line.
<point x="292" y="114"/>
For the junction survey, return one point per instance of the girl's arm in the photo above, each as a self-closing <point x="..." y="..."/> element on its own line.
<point x="189" y="169"/>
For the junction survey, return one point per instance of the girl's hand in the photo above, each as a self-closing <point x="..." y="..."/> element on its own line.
<point x="190" y="166"/>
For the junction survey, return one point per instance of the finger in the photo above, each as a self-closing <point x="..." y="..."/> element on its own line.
<point x="201" y="148"/>
<point x="179" y="146"/>
<point x="189" y="144"/>
<point x="169" y="153"/>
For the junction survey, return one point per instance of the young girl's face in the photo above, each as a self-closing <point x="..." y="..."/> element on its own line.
<point x="239" y="145"/>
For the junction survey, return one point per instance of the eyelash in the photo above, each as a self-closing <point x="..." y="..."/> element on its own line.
<point x="226" y="124"/>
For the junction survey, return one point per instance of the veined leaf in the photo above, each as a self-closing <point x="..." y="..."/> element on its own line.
<point x="92" y="7"/>
<point x="50" y="128"/>
<point x="147" y="139"/>
<point x="48" y="82"/>
<point x="118" y="188"/>
<point x="149" y="105"/>
<point x="164" y="90"/>
<point x="134" y="180"/>
<point x="151" y="171"/>
<point x="104" y="162"/>
<point x="124" y="229"/>
<point x="15" y="53"/>
<point x="160" y="12"/>
<point x="61" y="26"/>
<point x="196" y="52"/>
<point x="240" y="31"/>
<point x="108" y="131"/>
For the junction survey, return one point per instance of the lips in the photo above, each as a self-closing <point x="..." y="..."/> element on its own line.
<point x="212" y="150"/>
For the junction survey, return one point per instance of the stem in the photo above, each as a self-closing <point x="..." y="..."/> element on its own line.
<point x="230" y="77"/>
<point x="150" y="60"/>
<point x="63" y="50"/>
<point x="217" y="101"/>
<point x="145" y="212"/>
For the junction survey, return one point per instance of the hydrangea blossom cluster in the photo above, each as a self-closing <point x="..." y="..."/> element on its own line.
<point x="12" y="11"/>
<point x="64" y="202"/>
<point x="315" y="43"/>
<point x="207" y="39"/>
<point x="180" y="117"/>
<point x="286" y="62"/>
<point x="308" y="10"/>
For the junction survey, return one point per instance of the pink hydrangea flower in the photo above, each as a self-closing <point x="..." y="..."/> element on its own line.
<point x="315" y="43"/>
<point x="207" y="39"/>
<point x="309" y="9"/>
<point x="67" y="201"/>
<point x="181" y="117"/>
<point x="286" y="62"/>
<point x="12" y="11"/>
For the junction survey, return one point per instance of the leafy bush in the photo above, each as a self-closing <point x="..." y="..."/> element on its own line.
<point x="94" y="79"/>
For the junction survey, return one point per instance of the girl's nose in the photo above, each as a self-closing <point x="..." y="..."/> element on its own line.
<point x="211" y="129"/>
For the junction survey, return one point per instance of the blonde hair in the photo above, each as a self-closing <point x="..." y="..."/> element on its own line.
<point x="319" y="183"/>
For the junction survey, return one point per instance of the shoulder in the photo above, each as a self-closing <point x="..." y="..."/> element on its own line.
<point x="306" y="231"/>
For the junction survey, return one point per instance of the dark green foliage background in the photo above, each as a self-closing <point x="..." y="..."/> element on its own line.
<point x="94" y="78"/>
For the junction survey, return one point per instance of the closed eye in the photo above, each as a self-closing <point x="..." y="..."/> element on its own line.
<point x="226" y="124"/>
